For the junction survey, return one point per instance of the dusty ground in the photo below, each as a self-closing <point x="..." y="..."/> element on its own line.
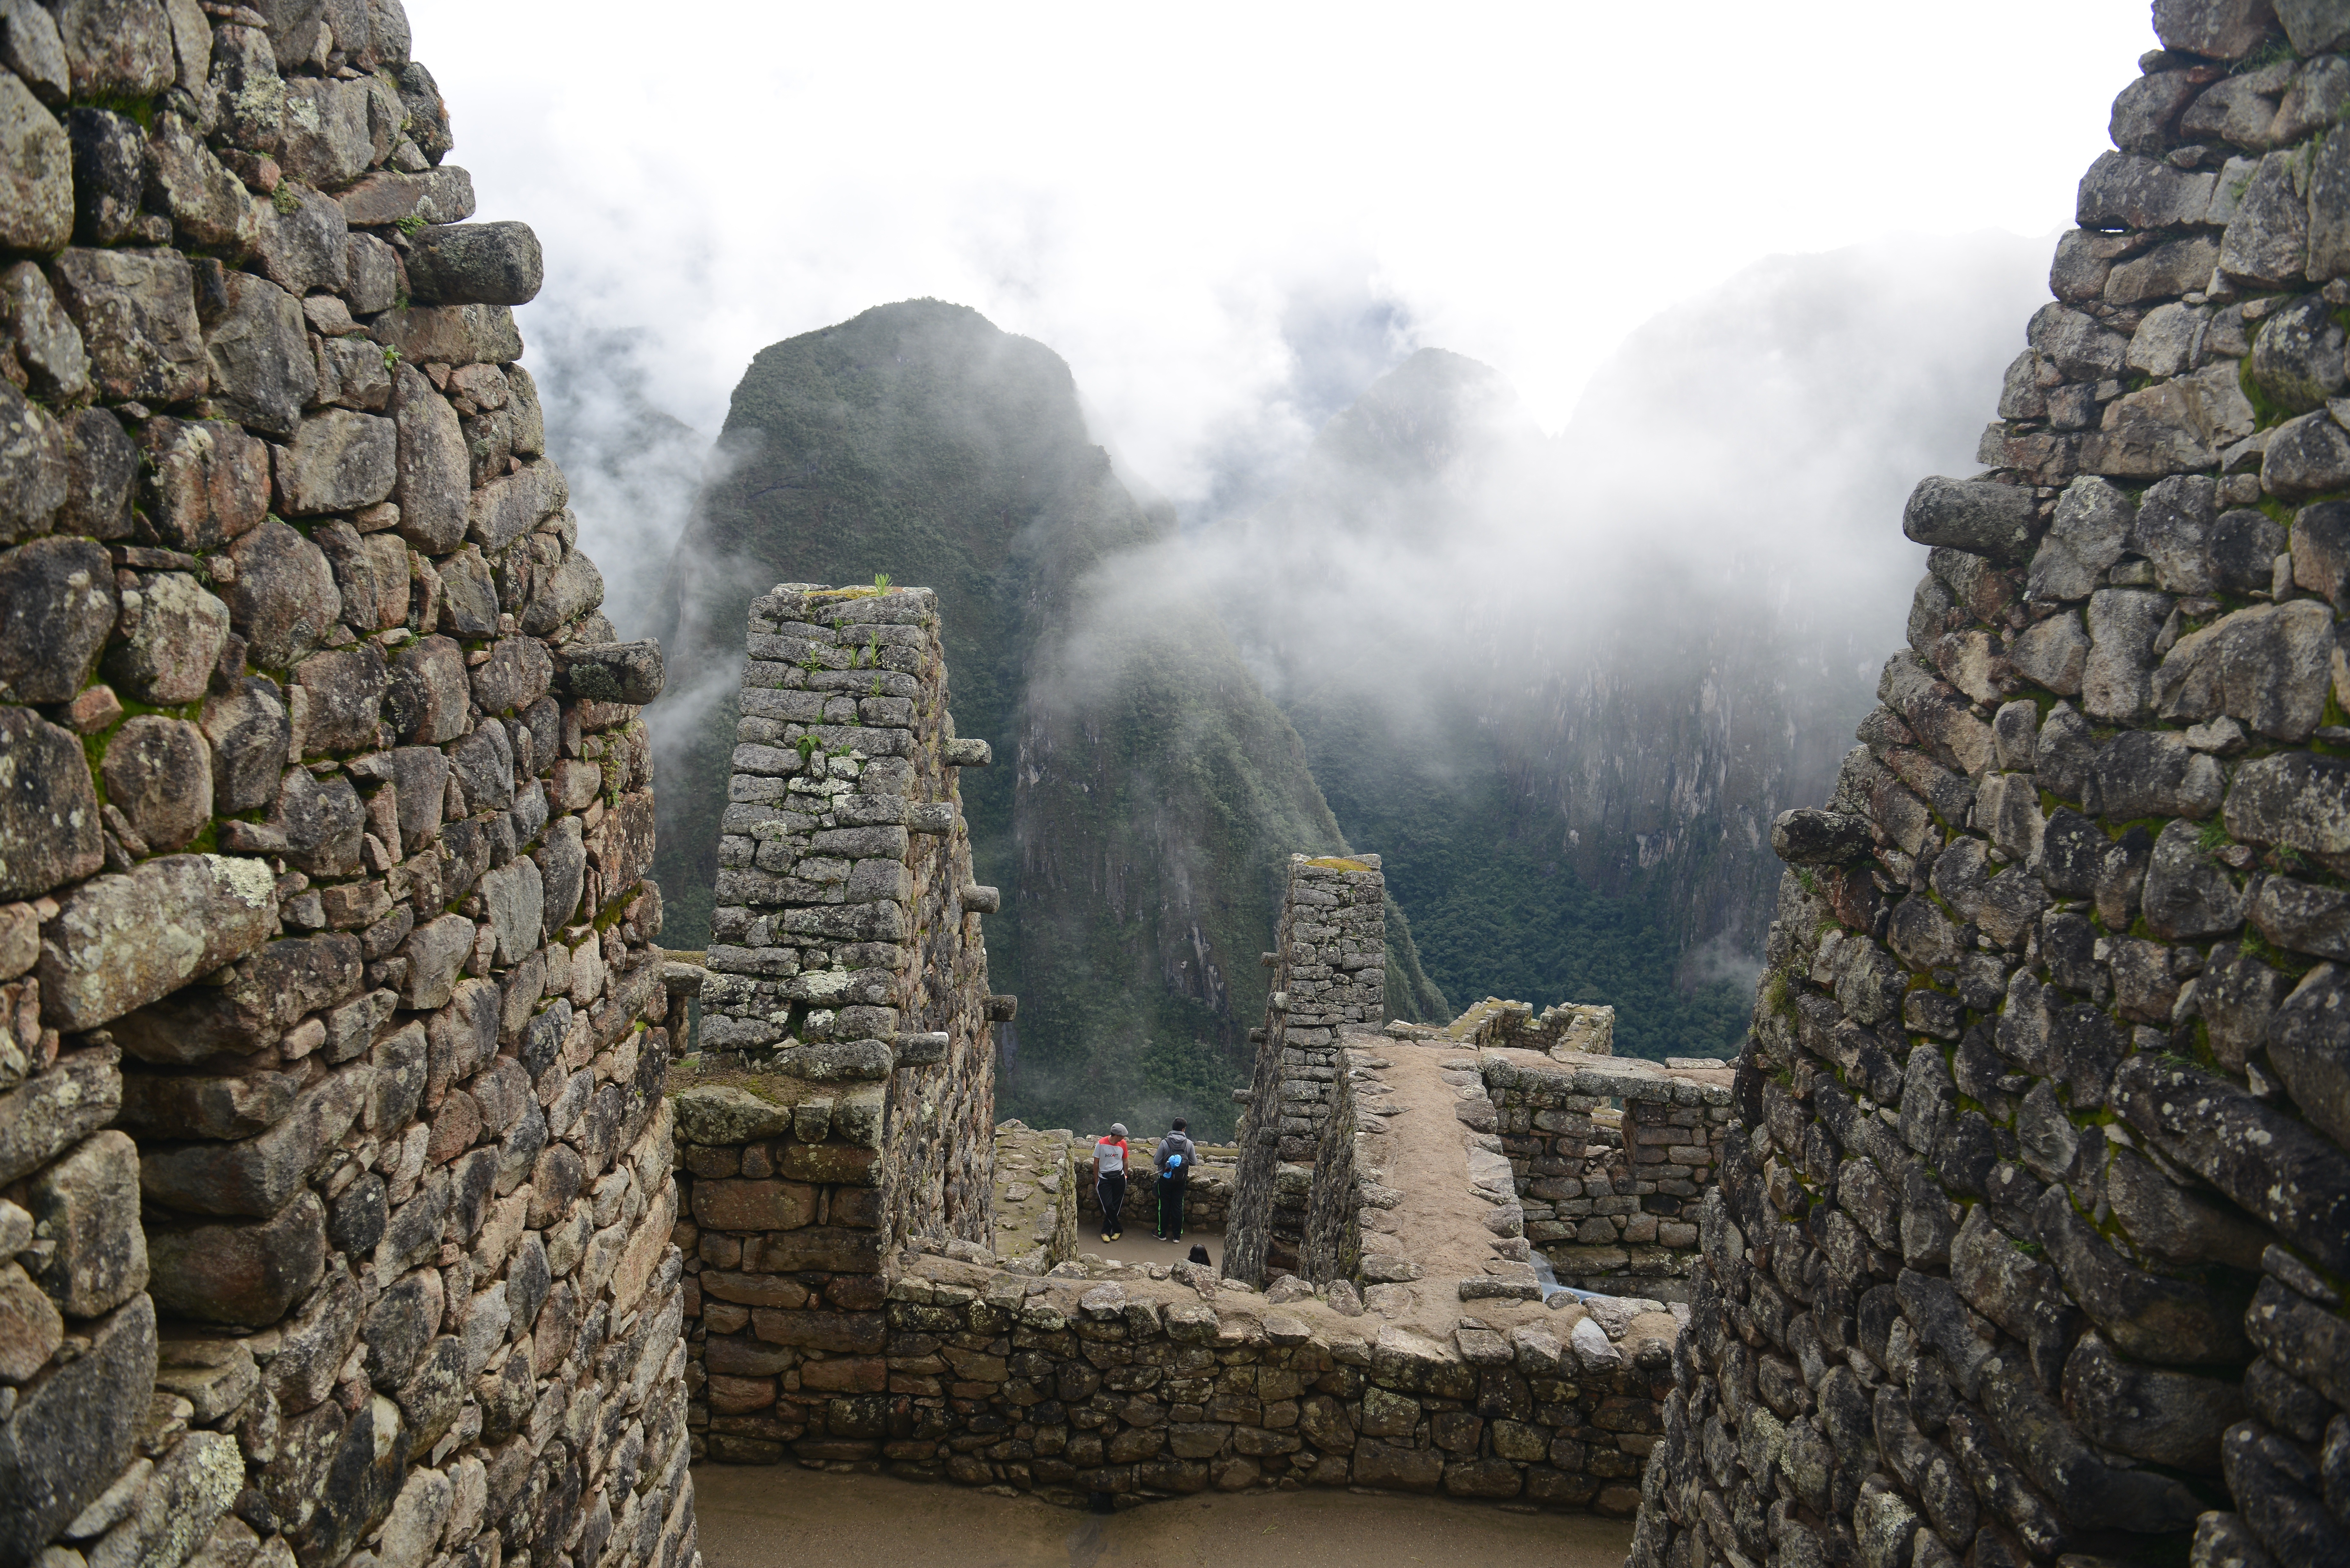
<point x="782" y="1517"/>
<point x="1137" y="1246"/>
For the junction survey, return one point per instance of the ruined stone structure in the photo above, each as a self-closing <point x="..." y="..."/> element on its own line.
<point x="843" y="1100"/>
<point x="2033" y="1232"/>
<point x="335" y="1205"/>
<point x="1609" y="1162"/>
<point x="1329" y="969"/>
<point x="840" y="1314"/>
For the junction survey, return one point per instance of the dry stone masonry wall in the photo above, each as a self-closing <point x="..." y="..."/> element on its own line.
<point x="1329" y="971"/>
<point x="843" y="1101"/>
<point x="1609" y="1162"/>
<point x="335" y="1205"/>
<point x="2032" y="1233"/>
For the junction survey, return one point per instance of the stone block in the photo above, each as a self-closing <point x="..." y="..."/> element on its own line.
<point x="475" y="264"/>
<point x="371" y="574"/>
<point x="338" y="461"/>
<point x="768" y="1205"/>
<point x="136" y="311"/>
<point x="57" y="606"/>
<point x="88" y="1205"/>
<point x="159" y="776"/>
<point x="259" y="1175"/>
<point x="36" y="194"/>
<point x="450" y="334"/>
<point x="171" y="636"/>
<point x="250" y="733"/>
<point x="123" y="941"/>
<point x="444" y="195"/>
<point x="250" y="1276"/>
<point x="36" y="466"/>
<point x="73" y="1431"/>
<point x="283" y="600"/>
<point x="30" y="1327"/>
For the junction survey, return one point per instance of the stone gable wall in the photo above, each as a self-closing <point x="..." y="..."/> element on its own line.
<point x="843" y="1101"/>
<point x="335" y="1208"/>
<point x="2030" y="1237"/>
<point x="1328" y="971"/>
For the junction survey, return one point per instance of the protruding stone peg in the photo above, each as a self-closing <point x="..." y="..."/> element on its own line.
<point x="979" y="900"/>
<point x="610" y="671"/>
<point x="922" y="1049"/>
<point x="968" y="754"/>
<point x="1003" y="1008"/>
<point x="1807" y="837"/>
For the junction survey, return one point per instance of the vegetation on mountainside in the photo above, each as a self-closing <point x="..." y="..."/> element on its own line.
<point x="1498" y="905"/>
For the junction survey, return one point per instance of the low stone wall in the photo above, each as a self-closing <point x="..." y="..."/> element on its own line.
<point x="1329" y="971"/>
<point x="1610" y="1195"/>
<point x="1036" y="1197"/>
<point x="1140" y="1386"/>
<point x="1570" y="1028"/>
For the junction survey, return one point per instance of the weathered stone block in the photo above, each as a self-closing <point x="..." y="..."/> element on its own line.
<point x="338" y="461"/>
<point x="258" y="1175"/>
<point x="283" y="600"/>
<point x="250" y="1274"/>
<point x="88" y="1204"/>
<point x="429" y="697"/>
<point x="137" y="314"/>
<point x="172" y="633"/>
<point x="36" y="197"/>
<point x="159" y="775"/>
<point x="205" y="484"/>
<point x="120" y="941"/>
<point x="72" y="1432"/>
<point x="475" y="264"/>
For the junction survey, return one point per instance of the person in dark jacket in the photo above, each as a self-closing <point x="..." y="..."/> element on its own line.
<point x="1174" y="1157"/>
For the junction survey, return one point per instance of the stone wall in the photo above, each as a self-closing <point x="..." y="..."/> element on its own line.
<point x="1328" y="970"/>
<point x="1036" y="1197"/>
<point x="2031" y="1237"/>
<point x="1610" y="1159"/>
<point x="334" y="1200"/>
<point x="1142" y="1383"/>
<point x="843" y="1100"/>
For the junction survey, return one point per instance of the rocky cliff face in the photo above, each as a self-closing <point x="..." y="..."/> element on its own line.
<point x="1146" y="792"/>
<point x="2030" y="1240"/>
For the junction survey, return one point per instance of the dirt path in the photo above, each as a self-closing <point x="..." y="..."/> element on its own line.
<point x="784" y="1517"/>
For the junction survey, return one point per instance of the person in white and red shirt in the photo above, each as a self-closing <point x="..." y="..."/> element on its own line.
<point x="1110" y="1179"/>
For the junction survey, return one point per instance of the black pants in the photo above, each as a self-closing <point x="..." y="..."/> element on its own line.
<point x="1170" y="1207"/>
<point x="1110" y="1191"/>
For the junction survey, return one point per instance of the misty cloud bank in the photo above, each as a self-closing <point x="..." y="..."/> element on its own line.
<point x="1635" y="642"/>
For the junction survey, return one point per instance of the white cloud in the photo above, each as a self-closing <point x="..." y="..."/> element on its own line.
<point x="1153" y="193"/>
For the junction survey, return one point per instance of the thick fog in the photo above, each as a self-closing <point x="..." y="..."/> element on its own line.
<point x="1226" y="219"/>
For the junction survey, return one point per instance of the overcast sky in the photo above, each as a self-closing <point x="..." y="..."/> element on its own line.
<point x="1184" y="201"/>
